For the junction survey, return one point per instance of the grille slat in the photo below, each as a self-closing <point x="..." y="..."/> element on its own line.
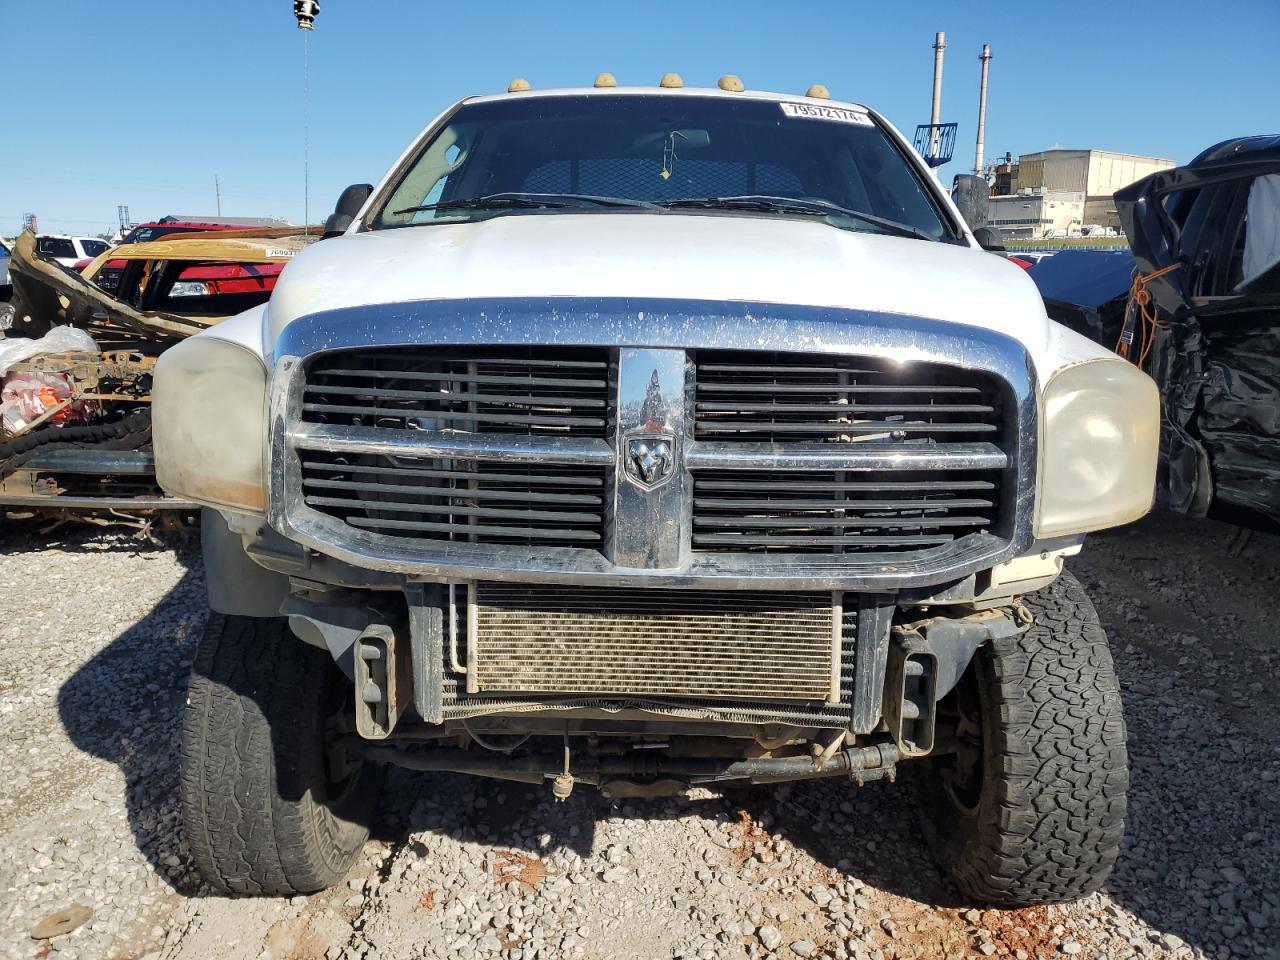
<point x="538" y="496"/>
<point x="781" y="408"/>
<point x="472" y="530"/>
<point x="807" y="486"/>
<point x="844" y="505"/>
<point x="449" y="510"/>
<point x="769" y="389"/>
<point x="505" y="379"/>
<point x="486" y="417"/>
<point x="424" y="395"/>
<point x="409" y="472"/>
<point x="837" y="427"/>
<point x="835" y="522"/>
<point x="774" y="540"/>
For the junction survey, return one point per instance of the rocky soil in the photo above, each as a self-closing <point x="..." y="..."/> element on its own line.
<point x="97" y="634"/>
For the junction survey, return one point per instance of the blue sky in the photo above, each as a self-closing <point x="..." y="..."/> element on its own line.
<point x="144" y="101"/>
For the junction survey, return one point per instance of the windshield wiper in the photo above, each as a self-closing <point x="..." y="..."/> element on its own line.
<point x="796" y="205"/>
<point x="526" y="201"/>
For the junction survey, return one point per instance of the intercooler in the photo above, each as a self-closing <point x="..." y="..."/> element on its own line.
<point x="654" y="643"/>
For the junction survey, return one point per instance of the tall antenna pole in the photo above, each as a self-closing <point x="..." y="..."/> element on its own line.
<point x="985" y="57"/>
<point x="306" y="125"/>
<point x="306" y="11"/>
<point x="935" y="118"/>
<point x="217" y="193"/>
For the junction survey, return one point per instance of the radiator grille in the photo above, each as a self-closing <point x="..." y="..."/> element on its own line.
<point x="785" y="397"/>
<point x="847" y="512"/>
<point x="530" y="391"/>
<point x="664" y="643"/>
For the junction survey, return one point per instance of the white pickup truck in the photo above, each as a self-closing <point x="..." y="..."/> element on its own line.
<point x="646" y="438"/>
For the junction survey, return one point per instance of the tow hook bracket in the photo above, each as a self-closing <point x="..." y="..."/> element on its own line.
<point x="382" y="681"/>
<point x="910" y="696"/>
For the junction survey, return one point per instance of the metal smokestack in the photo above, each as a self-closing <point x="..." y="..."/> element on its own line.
<point x="982" y="110"/>
<point x="939" y="46"/>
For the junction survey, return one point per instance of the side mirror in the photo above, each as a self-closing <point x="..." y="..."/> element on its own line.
<point x="989" y="239"/>
<point x="348" y="205"/>
<point x="970" y="195"/>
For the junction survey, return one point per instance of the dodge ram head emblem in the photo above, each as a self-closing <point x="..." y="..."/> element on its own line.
<point x="649" y="461"/>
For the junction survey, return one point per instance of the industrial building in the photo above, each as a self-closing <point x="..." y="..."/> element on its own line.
<point x="1035" y="214"/>
<point x="1090" y="177"/>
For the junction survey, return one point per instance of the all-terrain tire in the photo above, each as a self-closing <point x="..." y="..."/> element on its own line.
<point x="267" y="810"/>
<point x="1040" y="819"/>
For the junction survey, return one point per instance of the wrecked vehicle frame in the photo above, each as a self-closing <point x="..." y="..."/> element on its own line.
<point x="1215" y="346"/>
<point x="100" y="468"/>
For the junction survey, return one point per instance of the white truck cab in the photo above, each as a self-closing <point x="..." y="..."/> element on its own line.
<point x="646" y="438"/>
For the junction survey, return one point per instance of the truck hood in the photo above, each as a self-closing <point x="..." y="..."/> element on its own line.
<point x="668" y="256"/>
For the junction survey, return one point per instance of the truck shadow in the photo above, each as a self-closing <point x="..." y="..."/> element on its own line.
<point x="125" y="704"/>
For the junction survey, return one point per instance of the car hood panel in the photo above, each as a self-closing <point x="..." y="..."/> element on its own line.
<point x="667" y="256"/>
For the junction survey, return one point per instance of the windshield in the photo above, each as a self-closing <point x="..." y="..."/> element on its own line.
<point x="747" y="157"/>
<point x="56" y="247"/>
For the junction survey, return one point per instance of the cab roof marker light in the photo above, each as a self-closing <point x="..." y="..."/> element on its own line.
<point x="519" y="85"/>
<point x="606" y="80"/>
<point x="671" y="81"/>
<point x="730" y="84"/>
<point x="818" y="92"/>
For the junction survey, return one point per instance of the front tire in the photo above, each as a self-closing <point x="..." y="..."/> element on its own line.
<point x="1030" y="809"/>
<point x="273" y="804"/>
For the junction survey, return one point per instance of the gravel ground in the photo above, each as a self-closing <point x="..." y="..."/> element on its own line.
<point x="97" y="633"/>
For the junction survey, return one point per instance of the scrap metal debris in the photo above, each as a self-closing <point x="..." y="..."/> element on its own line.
<point x="76" y="364"/>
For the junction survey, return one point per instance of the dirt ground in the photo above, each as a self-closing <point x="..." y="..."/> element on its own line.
<point x="97" y="635"/>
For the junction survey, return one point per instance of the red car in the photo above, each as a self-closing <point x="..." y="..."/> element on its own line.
<point x="195" y="281"/>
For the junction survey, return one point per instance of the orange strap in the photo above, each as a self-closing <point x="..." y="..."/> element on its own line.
<point x="1141" y="306"/>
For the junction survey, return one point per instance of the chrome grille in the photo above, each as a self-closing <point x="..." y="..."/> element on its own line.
<point x="453" y="461"/>
<point x="784" y="397"/>
<point x="664" y="643"/>
<point x="472" y="396"/>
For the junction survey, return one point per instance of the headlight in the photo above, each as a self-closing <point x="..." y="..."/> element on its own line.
<point x="190" y="288"/>
<point x="1099" y="440"/>
<point x="209" y="421"/>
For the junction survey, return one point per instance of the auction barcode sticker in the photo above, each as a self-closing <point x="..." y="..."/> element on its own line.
<point x="813" y="111"/>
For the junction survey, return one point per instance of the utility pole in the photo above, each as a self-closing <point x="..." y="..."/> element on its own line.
<point x="217" y="193"/>
<point x="985" y="57"/>
<point x="935" y="118"/>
